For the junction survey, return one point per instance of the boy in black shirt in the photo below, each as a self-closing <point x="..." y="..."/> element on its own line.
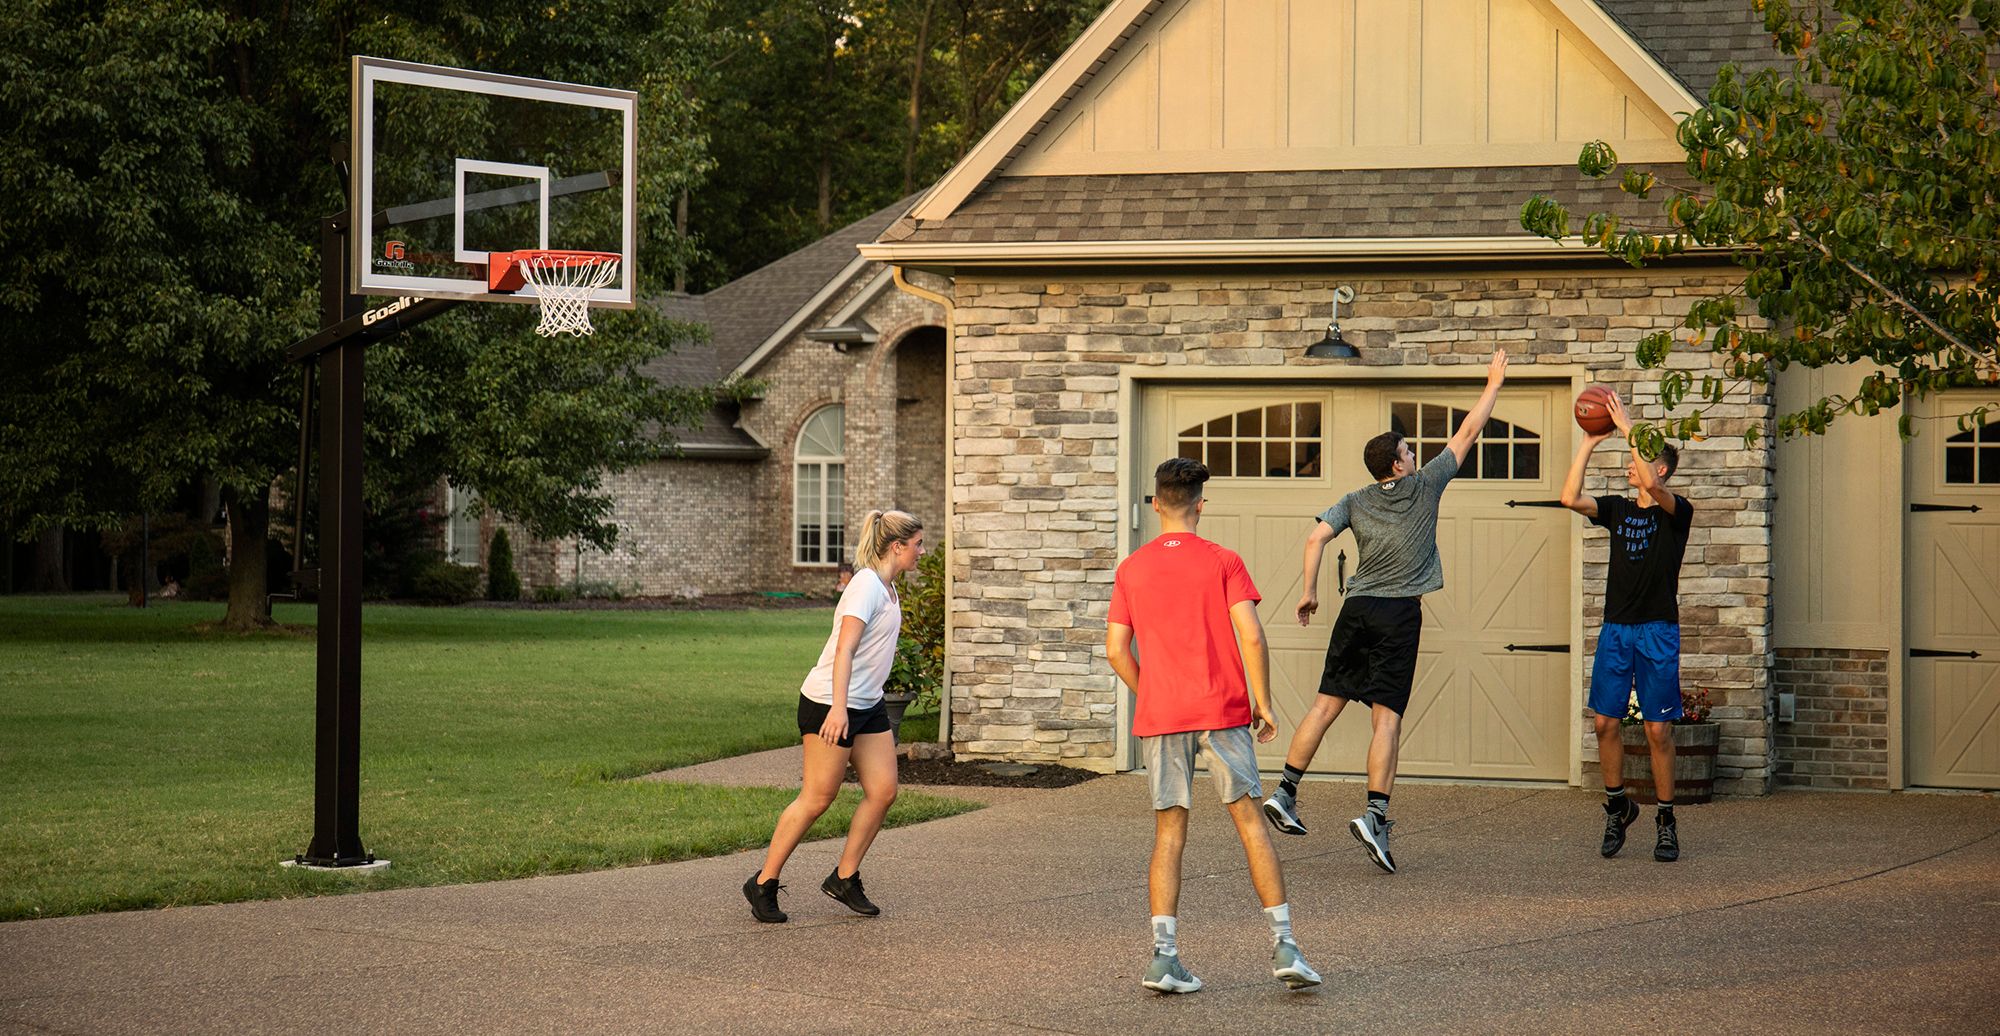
<point x="1639" y="647"/>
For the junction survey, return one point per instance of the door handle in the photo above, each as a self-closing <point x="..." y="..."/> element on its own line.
<point x="1920" y="508"/>
<point x="1340" y="570"/>
<point x="1534" y="503"/>
<point x="1551" y="648"/>
<point x="1935" y="653"/>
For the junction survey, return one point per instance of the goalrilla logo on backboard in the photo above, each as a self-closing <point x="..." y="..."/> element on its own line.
<point x="395" y="259"/>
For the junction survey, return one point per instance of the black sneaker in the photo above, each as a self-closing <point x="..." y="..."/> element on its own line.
<point x="1614" y="828"/>
<point x="848" y="891"/>
<point x="763" y="897"/>
<point x="1668" y="848"/>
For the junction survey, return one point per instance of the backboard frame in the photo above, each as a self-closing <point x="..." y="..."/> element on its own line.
<point x="368" y="72"/>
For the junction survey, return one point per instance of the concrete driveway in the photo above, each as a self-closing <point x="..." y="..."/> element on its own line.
<point x="1800" y="912"/>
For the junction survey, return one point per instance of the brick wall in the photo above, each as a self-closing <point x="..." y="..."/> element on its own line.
<point x="699" y="527"/>
<point x="1839" y="737"/>
<point x="1037" y="504"/>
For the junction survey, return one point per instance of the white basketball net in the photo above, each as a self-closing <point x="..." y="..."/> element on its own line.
<point x="564" y="283"/>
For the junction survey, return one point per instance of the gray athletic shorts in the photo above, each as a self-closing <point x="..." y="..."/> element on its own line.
<point x="1232" y="761"/>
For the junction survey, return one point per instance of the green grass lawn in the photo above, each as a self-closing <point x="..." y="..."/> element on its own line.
<point x="147" y="763"/>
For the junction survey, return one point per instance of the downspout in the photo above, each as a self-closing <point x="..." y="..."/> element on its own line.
<point x="950" y="470"/>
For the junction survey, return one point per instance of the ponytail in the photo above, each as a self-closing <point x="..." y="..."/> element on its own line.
<point x="879" y="530"/>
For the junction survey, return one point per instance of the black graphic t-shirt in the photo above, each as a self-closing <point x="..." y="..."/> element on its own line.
<point x="1644" y="581"/>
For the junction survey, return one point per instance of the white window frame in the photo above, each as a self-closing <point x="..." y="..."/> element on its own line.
<point x="829" y="508"/>
<point x="455" y="498"/>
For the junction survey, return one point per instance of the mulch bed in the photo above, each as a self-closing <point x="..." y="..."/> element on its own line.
<point x="944" y="771"/>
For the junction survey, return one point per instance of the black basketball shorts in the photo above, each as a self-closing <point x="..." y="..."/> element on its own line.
<point x="1372" y="656"/>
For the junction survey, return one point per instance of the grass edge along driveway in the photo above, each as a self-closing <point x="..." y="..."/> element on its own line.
<point x="151" y="763"/>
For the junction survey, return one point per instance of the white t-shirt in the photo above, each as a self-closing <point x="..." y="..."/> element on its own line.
<point x="873" y="602"/>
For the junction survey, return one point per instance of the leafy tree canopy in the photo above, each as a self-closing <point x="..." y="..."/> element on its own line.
<point x="1859" y="191"/>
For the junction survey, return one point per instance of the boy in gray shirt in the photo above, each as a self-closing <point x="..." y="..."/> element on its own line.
<point x="1372" y="657"/>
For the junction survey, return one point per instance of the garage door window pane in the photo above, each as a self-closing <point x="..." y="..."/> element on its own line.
<point x="1968" y="461"/>
<point x="1505" y="450"/>
<point x="1280" y="440"/>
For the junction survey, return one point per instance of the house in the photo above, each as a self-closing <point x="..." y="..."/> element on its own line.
<point x="1138" y="256"/>
<point x="761" y="497"/>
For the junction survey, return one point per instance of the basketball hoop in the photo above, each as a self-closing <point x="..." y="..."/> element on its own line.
<point x="563" y="281"/>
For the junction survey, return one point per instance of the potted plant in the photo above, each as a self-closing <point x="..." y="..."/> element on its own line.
<point x="917" y="675"/>
<point x="1695" y="740"/>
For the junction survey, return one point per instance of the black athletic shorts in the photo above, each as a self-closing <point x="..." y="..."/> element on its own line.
<point x="1372" y="656"/>
<point x="871" y="720"/>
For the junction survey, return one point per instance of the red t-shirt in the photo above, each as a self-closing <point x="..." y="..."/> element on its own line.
<point x="1175" y="593"/>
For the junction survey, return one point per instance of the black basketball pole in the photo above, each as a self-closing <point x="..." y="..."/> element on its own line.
<point x="338" y="348"/>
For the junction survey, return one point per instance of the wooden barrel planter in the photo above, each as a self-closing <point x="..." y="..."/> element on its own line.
<point x="1694" y="762"/>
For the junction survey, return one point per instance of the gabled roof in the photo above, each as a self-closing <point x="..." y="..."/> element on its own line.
<point x="745" y="315"/>
<point x="1659" y="56"/>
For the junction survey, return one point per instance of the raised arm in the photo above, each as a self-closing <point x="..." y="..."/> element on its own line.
<point x="1256" y="665"/>
<point x="1469" y="429"/>
<point x="1118" y="648"/>
<point x="1316" y="542"/>
<point x="1649" y="480"/>
<point x="1573" y="496"/>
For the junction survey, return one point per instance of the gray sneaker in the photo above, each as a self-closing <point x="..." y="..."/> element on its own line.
<point x="1291" y="968"/>
<point x="1373" y="835"/>
<point x="1167" y="976"/>
<point x="1282" y="810"/>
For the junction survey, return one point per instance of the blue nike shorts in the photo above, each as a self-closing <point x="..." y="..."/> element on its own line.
<point x="1645" y="657"/>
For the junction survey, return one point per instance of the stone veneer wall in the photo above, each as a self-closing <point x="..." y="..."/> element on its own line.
<point x="1839" y="736"/>
<point x="699" y="527"/>
<point x="920" y="427"/>
<point x="1037" y="503"/>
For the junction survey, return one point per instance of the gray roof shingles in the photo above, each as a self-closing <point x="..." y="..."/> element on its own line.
<point x="1692" y="39"/>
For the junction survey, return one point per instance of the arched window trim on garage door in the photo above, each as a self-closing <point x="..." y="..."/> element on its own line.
<point x="819" y="476"/>
<point x="1277" y="440"/>
<point x="1504" y="451"/>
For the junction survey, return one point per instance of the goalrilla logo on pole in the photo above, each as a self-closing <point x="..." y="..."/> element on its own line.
<point x="402" y="303"/>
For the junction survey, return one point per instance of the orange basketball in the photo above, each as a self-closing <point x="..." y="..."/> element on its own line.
<point x="1593" y="410"/>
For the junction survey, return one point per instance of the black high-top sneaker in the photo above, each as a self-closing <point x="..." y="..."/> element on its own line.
<point x="763" y="897"/>
<point x="1668" y="848"/>
<point x="1614" y="828"/>
<point x="848" y="891"/>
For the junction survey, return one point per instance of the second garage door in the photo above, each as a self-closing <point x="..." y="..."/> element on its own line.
<point x="1493" y="684"/>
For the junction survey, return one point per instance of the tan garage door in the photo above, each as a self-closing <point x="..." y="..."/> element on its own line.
<point x="1487" y="704"/>
<point x="1953" y="585"/>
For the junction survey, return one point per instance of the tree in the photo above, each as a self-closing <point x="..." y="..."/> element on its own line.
<point x="164" y="175"/>
<point x="1859" y="191"/>
<point x="502" y="582"/>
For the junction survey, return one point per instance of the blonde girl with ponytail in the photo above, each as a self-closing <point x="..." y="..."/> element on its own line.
<point x="842" y="719"/>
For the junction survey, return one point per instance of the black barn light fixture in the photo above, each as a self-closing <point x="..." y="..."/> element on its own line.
<point x="1333" y="346"/>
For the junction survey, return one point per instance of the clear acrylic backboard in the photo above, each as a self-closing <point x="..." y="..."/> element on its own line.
<point x="450" y="166"/>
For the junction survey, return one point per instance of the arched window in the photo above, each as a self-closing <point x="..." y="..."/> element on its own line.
<point x="1277" y="441"/>
<point x="1504" y="451"/>
<point x="1972" y="457"/>
<point x="819" y="474"/>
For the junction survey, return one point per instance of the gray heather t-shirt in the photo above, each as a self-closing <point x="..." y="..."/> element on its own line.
<point x="1395" y="529"/>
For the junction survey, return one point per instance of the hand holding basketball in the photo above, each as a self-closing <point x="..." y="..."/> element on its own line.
<point x="1619" y="418"/>
<point x="1593" y="411"/>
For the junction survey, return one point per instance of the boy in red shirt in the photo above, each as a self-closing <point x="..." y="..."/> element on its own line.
<point x="1190" y="603"/>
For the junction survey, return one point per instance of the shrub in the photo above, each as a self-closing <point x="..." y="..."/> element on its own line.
<point x="502" y="584"/>
<point x="440" y="582"/>
<point x="555" y="593"/>
<point x="919" y="666"/>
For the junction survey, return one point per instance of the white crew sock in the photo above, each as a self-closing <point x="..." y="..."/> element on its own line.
<point x="1163" y="935"/>
<point x="1280" y="917"/>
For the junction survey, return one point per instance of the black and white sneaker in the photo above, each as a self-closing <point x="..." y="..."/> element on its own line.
<point x="847" y="891"/>
<point x="1373" y="835"/>
<point x="1614" y="828"/>
<point x="763" y="897"/>
<point x="1668" y="848"/>
<point x="1282" y="810"/>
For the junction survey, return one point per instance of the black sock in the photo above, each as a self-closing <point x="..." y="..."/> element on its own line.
<point x="1290" y="785"/>
<point x="1667" y="812"/>
<point x="1378" y="804"/>
<point x="1615" y="799"/>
